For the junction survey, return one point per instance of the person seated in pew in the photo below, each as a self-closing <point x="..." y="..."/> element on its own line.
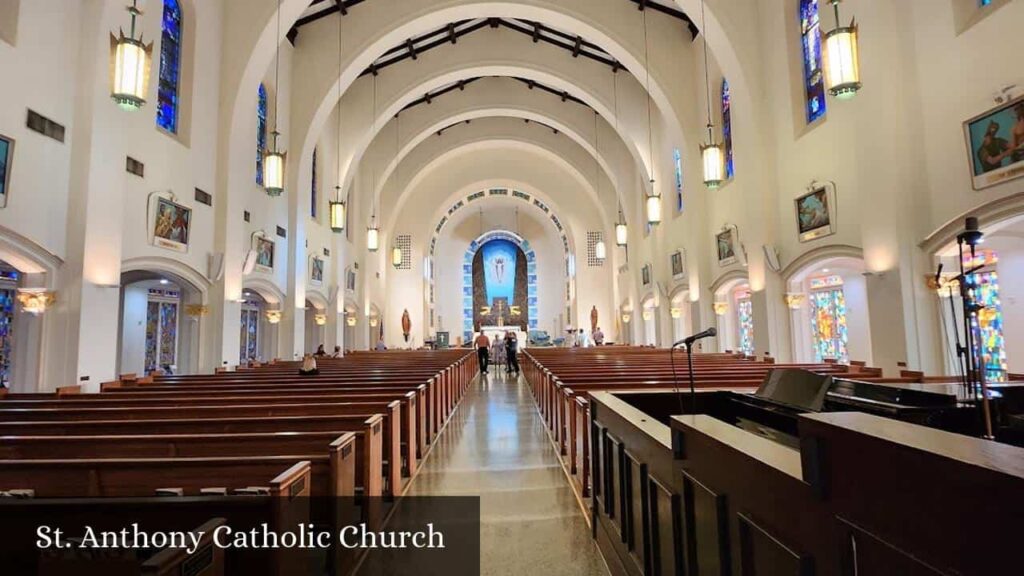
<point x="308" y="366"/>
<point x="320" y="352"/>
<point x="598" y="337"/>
<point x="337" y="352"/>
<point x="381" y="346"/>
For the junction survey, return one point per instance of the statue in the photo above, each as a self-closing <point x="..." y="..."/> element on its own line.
<point x="406" y="324"/>
<point x="593" y="319"/>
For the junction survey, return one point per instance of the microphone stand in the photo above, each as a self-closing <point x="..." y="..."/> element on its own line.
<point x="693" y="386"/>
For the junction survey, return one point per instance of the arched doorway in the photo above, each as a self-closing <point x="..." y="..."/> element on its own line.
<point x="999" y="287"/>
<point x="680" y="314"/>
<point x="735" y="313"/>
<point x="316" y="322"/>
<point x="828" y="304"/>
<point x="160" y="314"/>
<point x="351" y="320"/>
<point x="375" y="325"/>
<point x="261" y="315"/>
<point x="649" y="316"/>
<point x="625" y="321"/>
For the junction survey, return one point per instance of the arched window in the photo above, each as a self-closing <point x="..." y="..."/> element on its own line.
<point x="312" y="209"/>
<point x="170" y="68"/>
<point x="727" y="128"/>
<point x="814" y="80"/>
<point x="261" y="131"/>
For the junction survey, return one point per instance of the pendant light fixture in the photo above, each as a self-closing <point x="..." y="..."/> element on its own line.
<point x="372" y="231"/>
<point x="274" y="159"/>
<point x="621" y="230"/>
<point x="711" y="153"/>
<point x="600" y="249"/>
<point x="337" y="204"/>
<point x="396" y="257"/>
<point x="842" y="59"/>
<point x="131" y="63"/>
<point x="653" y="199"/>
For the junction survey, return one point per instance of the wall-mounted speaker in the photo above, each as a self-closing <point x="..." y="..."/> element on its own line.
<point x="215" y="266"/>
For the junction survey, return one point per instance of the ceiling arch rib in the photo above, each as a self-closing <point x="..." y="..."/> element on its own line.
<point x="588" y="84"/>
<point x="491" y="98"/>
<point x="575" y="15"/>
<point x="428" y="162"/>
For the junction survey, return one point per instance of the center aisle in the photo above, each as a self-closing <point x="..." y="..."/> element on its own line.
<point x="495" y="447"/>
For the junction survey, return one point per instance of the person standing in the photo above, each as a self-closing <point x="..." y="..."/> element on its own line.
<point x="512" y="353"/>
<point x="483" y="343"/>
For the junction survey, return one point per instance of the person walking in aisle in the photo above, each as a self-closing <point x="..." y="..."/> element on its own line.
<point x="483" y="343"/>
<point x="512" y="353"/>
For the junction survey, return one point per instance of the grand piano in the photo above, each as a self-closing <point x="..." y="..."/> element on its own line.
<point x="772" y="410"/>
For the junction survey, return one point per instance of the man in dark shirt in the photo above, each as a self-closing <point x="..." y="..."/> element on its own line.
<point x="482" y="343"/>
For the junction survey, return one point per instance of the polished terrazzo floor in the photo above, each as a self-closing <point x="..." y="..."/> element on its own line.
<point x="495" y="447"/>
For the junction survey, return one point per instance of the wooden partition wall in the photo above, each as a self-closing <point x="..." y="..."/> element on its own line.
<point x="863" y="495"/>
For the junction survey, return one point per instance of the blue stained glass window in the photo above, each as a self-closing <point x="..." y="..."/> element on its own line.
<point x="313" y="187"/>
<point x="727" y="129"/>
<point x="170" y="68"/>
<point x="745" y="312"/>
<point x="261" y="131"/>
<point x="985" y="2"/>
<point x="814" y="78"/>
<point x="679" y="179"/>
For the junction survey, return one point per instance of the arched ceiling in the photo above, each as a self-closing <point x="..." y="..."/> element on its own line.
<point x="431" y="50"/>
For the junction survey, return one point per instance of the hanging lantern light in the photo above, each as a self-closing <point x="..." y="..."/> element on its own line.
<point x="653" y="208"/>
<point x="621" y="234"/>
<point x="842" y="59"/>
<point x="273" y="159"/>
<point x="600" y="250"/>
<point x="337" y="206"/>
<point x="372" y="238"/>
<point x="712" y="154"/>
<point x="273" y="169"/>
<point x="337" y="212"/>
<point x="396" y="257"/>
<point x="713" y="159"/>
<point x="130" y="64"/>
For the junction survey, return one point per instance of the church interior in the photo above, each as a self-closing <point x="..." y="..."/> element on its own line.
<point x="663" y="287"/>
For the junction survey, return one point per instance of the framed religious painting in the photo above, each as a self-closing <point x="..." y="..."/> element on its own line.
<point x="6" y="160"/>
<point x="264" y="248"/>
<point x="815" y="213"/>
<point x="995" y="144"/>
<point x="726" y="242"/>
<point x="678" y="262"/>
<point x="171" y="225"/>
<point x="316" y="271"/>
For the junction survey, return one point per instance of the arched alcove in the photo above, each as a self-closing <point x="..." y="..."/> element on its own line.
<point x="734" y="312"/>
<point x="161" y="312"/>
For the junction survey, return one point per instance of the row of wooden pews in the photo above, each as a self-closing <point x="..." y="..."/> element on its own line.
<point x="561" y="380"/>
<point x="243" y="445"/>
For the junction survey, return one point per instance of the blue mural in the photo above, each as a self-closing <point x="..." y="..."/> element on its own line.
<point x="499" y="258"/>
<point x="531" y="278"/>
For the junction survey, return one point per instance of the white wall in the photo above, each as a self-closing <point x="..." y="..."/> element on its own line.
<point x="133" y="329"/>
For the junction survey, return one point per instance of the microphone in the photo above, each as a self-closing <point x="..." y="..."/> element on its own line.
<point x="698" y="336"/>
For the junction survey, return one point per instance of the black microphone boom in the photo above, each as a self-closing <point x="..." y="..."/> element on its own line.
<point x="710" y="332"/>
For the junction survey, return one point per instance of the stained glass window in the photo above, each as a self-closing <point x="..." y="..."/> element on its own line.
<point x="161" y="331"/>
<point x="249" y="336"/>
<point x="814" y="79"/>
<point x="727" y="129"/>
<point x="312" y="209"/>
<point x="678" y="157"/>
<point x="170" y="68"/>
<point x="988" y="325"/>
<point x="261" y="131"/>
<point x="745" y="314"/>
<point x="828" y="319"/>
<point x="7" y="299"/>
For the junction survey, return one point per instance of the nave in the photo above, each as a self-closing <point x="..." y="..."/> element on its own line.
<point x="496" y="447"/>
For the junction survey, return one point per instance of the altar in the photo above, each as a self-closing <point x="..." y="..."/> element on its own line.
<point x="498" y="332"/>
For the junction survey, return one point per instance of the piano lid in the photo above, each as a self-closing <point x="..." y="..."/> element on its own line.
<point x="794" y="387"/>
